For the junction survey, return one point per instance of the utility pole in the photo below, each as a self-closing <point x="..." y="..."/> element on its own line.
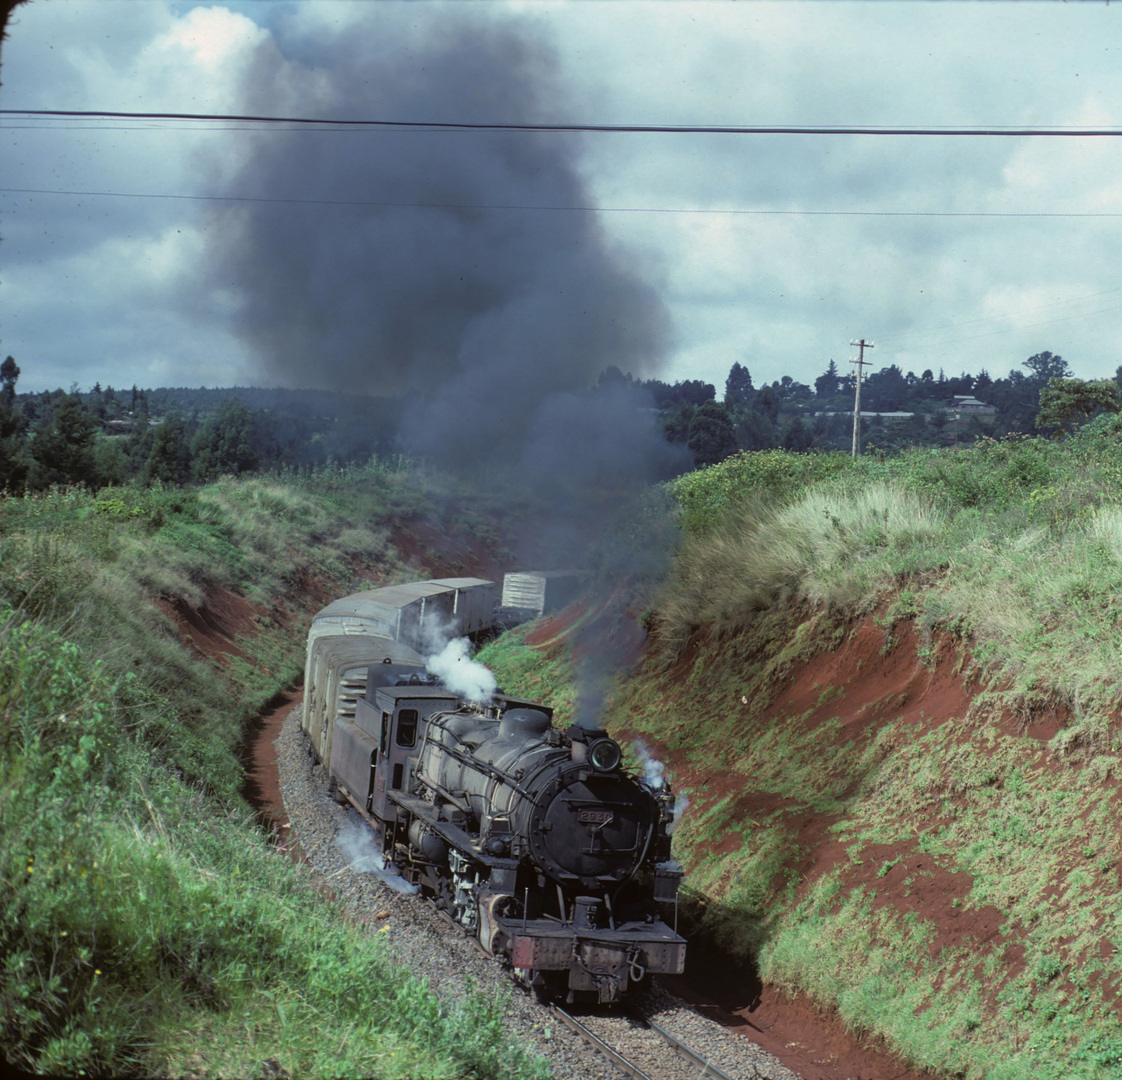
<point x="860" y="362"/>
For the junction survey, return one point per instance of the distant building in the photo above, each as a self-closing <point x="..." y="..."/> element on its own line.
<point x="865" y="415"/>
<point x="965" y="405"/>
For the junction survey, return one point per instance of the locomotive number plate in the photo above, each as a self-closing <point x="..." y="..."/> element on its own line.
<point x="595" y="817"/>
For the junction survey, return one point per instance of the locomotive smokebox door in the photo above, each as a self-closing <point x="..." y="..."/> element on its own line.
<point x="595" y="828"/>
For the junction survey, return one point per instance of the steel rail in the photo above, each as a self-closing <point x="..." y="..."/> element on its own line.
<point x="613" y="1055"/>
<point x="708" y="1069"/>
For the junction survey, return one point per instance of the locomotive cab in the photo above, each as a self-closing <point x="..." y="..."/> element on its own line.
<point x="394" y="723"/>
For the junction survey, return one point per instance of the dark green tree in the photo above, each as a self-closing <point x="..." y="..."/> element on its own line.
<point x="62" y="446"/>
<point x="828" y="384"/>
<point x="169" y="459"/>
<point x="789" y="390"/>
<point x="712" y="437"/>
<point x="1045" y="366"/>
<point x="13" y="467"/>
<point x="886" y="391"/>
<point x="926" y="387"/>
<point x="695" y="391"/>
<point x="667" y="396"/>
<point x="1067" y="403"/>
<point x="140" y="442"/>
<point x="224" y="444"/>
<point x="9" y="376"/>
<point x="766" y="403"/>
<point x="738" y="388"/>
<point x="676" y="422"/>
<point x="754" y="431"/>
<point x="798" y="435"/>
<point x="111" y="462"/>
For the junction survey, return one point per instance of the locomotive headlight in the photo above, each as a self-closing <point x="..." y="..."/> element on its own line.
<point x="605" y="755"/>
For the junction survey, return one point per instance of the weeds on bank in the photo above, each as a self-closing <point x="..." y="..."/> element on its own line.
<point x="521" y="669"/>
<point x="143" y="933"/>
<point x="1015" y="545"/>
<point x="838" y="545"/>
<point x="145" y="925"/>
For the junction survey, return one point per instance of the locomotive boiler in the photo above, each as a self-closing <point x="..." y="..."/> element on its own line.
<point x="536" y="841"/>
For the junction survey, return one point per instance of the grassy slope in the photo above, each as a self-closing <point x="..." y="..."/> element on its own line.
<point x="892" y="688"/>
<point x="145" y="925"/>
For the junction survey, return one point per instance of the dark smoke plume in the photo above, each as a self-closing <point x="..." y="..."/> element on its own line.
<point x="442" y="291"/>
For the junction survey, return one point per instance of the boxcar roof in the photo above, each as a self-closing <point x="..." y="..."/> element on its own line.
<point x="394" y="596"/>
<point x="362" y="650"/>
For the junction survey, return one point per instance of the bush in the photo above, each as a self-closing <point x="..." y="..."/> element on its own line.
<point x="707" y="496"/>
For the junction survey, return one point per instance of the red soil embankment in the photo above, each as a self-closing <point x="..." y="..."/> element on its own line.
<point x="868" y="684"/>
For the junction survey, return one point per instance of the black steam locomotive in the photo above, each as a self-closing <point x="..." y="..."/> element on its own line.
<point x="536" y="841"/>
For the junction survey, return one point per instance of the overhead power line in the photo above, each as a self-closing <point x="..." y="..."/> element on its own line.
<point x="657" y="129"/>
<point x="733" y="211"/>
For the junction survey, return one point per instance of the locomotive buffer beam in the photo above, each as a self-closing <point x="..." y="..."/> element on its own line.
<point x="636" y="948"/>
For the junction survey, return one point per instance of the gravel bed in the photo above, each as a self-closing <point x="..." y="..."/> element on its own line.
<point x="422" y="942"/>
<point x="735" y="1055"/>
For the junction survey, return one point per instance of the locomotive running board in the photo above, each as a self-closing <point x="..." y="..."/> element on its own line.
<point x="453" y="834"/>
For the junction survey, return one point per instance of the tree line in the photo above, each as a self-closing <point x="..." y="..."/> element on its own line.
<point x="906" y="409"/>
<point x="179" y="435"/>
<point x="176" y="435"/>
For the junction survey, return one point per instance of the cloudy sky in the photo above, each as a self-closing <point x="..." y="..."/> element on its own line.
<point x="168" y="253"/>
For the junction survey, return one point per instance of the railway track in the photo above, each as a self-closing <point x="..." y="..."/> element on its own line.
<point x="638" y="1046"/>
<point x="632" y="1041"/>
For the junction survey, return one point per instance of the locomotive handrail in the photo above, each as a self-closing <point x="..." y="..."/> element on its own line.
<point x="487" y="769"/>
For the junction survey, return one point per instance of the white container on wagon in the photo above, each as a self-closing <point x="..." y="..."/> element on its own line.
<point x="542" y="591"/>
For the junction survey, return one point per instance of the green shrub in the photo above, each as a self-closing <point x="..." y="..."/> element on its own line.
<point x="146" y="926"/>
<point x="709" y="496"/>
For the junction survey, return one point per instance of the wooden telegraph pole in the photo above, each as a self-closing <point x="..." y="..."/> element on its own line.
<point x="860" y="362"/>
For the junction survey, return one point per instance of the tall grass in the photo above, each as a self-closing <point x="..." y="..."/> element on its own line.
<point x="838" y="545"/>
<point x="144" y="933"/>
<point x="146" y="926"/>
<point x="1016" y="546"/>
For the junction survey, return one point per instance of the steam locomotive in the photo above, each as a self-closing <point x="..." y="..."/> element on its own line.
<point x="536" y="841"/>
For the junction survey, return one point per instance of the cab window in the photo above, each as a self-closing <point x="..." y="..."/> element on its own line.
<point x="407" y="728"/>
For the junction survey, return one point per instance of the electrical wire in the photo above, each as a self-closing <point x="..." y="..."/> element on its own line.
<point x="927" y="332"/>
<point x="731" y="211"/>
<point x="659" y="129"/>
